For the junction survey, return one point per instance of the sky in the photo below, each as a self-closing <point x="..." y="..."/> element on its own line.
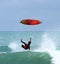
<point x="13" y="11"/>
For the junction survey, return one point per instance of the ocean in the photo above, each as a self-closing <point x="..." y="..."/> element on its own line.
<point x="25" y="58"/>
<point x="44" y="47"/>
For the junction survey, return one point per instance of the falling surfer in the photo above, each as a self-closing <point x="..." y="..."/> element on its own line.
<point x="26" y="46"/>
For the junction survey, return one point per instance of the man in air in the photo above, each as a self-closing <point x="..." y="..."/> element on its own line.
<point x="26" y="46"/>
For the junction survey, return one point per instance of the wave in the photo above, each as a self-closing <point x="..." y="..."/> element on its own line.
<point x="4" y="49"/>
<point x="27" y="57"/>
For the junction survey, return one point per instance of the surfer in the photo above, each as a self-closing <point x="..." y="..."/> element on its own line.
<point x="26" y="46"/>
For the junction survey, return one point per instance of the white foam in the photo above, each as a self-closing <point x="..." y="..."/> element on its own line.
<point x="15" y="47"/>
<point x="48" y="45"/>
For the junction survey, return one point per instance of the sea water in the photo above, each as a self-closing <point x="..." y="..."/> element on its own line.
<point x="43" y="47"/>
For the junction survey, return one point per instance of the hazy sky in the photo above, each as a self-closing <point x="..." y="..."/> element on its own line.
<point x="12" y="11"/>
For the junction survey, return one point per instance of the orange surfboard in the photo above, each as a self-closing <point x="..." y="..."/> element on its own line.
<point x="30" y="22"/>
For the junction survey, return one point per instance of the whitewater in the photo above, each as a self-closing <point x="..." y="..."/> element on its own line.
<point x="48" y="45"/>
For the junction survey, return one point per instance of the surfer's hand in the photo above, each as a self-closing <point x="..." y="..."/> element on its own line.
<point x="21" y="40"/>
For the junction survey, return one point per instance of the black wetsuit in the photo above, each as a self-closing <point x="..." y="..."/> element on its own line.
<point x="26" y="46"/>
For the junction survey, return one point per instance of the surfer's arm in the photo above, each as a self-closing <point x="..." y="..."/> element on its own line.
<point x="29" y="42"/>
<point x="23" y="42"/>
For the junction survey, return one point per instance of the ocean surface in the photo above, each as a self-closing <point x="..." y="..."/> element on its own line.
<point x="25" y="58"/>
<point x="44" y="47"/>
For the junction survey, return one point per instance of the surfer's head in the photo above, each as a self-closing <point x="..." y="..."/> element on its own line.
<point x="22" y="45"/>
